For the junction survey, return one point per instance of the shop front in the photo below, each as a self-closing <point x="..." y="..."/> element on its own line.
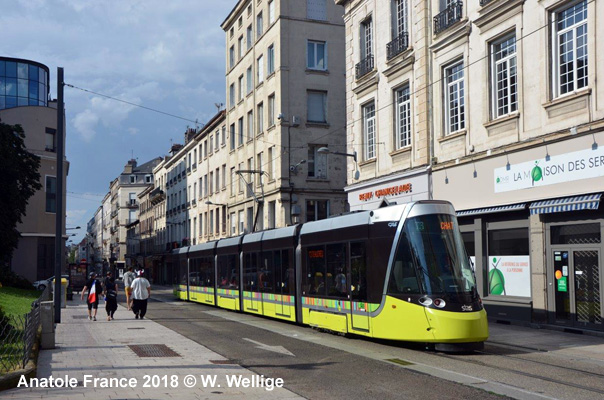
<point x="532" y="222"/>
<point x="392" y="189"/>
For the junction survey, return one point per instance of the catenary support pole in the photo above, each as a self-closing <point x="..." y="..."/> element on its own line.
<point x="59" y="248"/>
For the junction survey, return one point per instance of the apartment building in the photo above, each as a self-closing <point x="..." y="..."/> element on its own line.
<point x="285" y="101"/>
<point x="25" y="100"/>
<point x="515" y="126"/>
<point x="387" y="106"/>
<point x="124" y="206"/>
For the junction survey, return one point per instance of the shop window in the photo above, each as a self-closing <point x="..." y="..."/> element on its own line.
<point x="576" y="234"/>
<point x="509" y="262"/>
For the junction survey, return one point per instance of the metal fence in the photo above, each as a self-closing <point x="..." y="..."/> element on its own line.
<point x="18" y="335"/>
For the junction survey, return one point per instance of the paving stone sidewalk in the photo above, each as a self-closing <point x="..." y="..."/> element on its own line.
<point x="100" y="349"/>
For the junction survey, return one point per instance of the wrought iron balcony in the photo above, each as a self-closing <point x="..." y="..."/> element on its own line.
<point x="364" y="67"/>
<point x="397" y="46"/>
<point x="483" y="2"/>
<point x="448" y="17"/>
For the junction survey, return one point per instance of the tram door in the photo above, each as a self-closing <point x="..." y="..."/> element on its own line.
<point x="282" y="282"/>
<point x="359" y="311"/>
<point x="576" y="282"/>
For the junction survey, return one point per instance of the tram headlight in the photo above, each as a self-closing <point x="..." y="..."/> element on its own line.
<point x="440" y="303"/>
<point x="425" y="301"/>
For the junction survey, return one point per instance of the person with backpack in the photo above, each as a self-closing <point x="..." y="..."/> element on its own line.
<point x="110" y="296"/>
<point x="94" y="288"/>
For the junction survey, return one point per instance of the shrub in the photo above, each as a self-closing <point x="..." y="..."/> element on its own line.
<point x="11" y="279"/>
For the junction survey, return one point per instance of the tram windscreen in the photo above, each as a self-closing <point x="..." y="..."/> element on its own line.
<point x="431" y="258"/>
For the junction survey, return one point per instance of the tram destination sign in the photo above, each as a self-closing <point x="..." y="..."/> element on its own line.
<point x="582" y="164"/>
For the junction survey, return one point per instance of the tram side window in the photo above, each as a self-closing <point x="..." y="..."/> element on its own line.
<point x="287" y="273"/>
<point x="207" y="272"/>
<point x="335" y="278"/>
<point x="183" y="273"/>
<point x="194" y="272"/>
<point x="232" y="271"/>
<point x="315" y="276"/>
<point x="403" y="278"/>
<point x="225" y="265"/>
<point x="358" y="271"/>
<point x="250" y="272"/>
<point x="266" y="275"/>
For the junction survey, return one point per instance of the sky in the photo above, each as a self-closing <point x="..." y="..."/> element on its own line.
<point x="164" y="55"/>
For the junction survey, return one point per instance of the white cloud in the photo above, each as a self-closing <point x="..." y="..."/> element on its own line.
<point x="85" y="123"/>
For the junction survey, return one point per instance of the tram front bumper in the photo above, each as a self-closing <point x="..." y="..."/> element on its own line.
<point x="458" y="327"/>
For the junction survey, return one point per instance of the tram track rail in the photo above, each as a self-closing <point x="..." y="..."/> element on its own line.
<point x="525" y="372"/>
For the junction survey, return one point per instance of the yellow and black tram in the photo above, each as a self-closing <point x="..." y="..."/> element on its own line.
<point x="397" y="273"/>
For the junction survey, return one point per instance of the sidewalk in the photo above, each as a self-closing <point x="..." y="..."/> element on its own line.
<point x="101" y="350"/>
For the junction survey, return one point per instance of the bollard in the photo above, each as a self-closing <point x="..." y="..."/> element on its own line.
<point x="47" y="319"/>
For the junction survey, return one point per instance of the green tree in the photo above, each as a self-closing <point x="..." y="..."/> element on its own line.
<point x="19" y="180"/>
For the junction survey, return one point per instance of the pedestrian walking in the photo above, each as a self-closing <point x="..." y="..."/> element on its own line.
<point x="141" y="291"/>
<point x="128" y="278"/>
<point x="110" y="295"/>
<point x="94" y="288"/>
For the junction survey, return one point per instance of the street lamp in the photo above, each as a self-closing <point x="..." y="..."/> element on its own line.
<point x="325" y="150"/>
<point x="211" y="203"/>
<point x="77" y="227"/>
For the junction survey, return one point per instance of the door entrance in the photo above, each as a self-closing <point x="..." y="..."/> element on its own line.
<point x="577" y="287"/>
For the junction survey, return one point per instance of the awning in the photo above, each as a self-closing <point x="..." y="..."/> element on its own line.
<point x="585" y="202"/>
<point x="489" y="210"/>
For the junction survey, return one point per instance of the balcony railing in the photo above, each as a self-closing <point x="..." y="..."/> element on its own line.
<point x="397" y="46"/>
<point x="483" y="2"/>
<point x="448" y="17"/>
<point x="364" y="67"/>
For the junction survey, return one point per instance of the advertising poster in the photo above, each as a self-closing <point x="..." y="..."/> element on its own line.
<point x="509" y="276"/>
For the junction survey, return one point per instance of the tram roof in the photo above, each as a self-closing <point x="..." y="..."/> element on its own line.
<point x="203" y="246"/>
<point x="180" y="250"/>
<point x="272" y="234"/>
<point x="234" y="241"/>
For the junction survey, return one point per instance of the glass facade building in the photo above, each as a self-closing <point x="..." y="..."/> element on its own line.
<point x="23" y="83"/>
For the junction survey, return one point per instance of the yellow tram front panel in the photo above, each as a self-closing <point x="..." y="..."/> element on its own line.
<point x="457" y="327"/>
<point x="181" y="292"/>
<point x="401" y="320"/>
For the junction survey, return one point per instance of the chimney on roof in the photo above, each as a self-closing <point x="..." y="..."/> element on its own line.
<point x="130" y="166"/>
<point x="190" y="134"/>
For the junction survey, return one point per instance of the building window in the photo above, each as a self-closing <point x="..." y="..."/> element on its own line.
<point x="272" y="208"/>
<point x="50" y="139"/>
<point x="367" y="38"/>
<point x="316" y="9"/>
<point x="132" y="178"/>
<point x="402" y="136"/>
<point x="224" y="135"/>
<point x="454" y="98"/>
<point x="223" y="176"/>
<point x="232" y="95"/>
<point x="232" y="130"/>
<point x="570" y="52"/>
<point x="240" y="84"/>
<point x="271" y="110"/>
<point x="241" y="222"/>
<point x="270" y="59"/>
<point x="399" y="16"/>
<point x="217" y="142"/>
<point x="240" y="131"/>
<point x="232" y="32"/>
<point x="259" y="168"/>
<point x="259" y="25"/>
<point x="260" y="117"/>
<point x="317" y="106"/>
<point x="217" y="180"/>
<point x="249" y="37"/>
<point x="240" y="178"/>
<point x="250" y="125"/>
<point x="271" y="170"/>
<point x="317" y="162"/>
<point x="509" y="247"/>
<point x="51" y="194"/>
<point x="240" y="46"/>
<point x="260" y="69"/>
<point x="232" y="183"/>
<point x="317" y="209"/>
<point x="233" y="224"/>
<point x="271" y="12"/>
<point x="148" y="179"/>
<point x="316" y="55"/>
<point x="505" y="98"/>
<point x="368" y="112"/>
<point x="232" y="56"/>
<point x="250" y="79"/>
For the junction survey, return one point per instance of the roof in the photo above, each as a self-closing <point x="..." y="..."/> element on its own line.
<point x="147" y="168"/>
